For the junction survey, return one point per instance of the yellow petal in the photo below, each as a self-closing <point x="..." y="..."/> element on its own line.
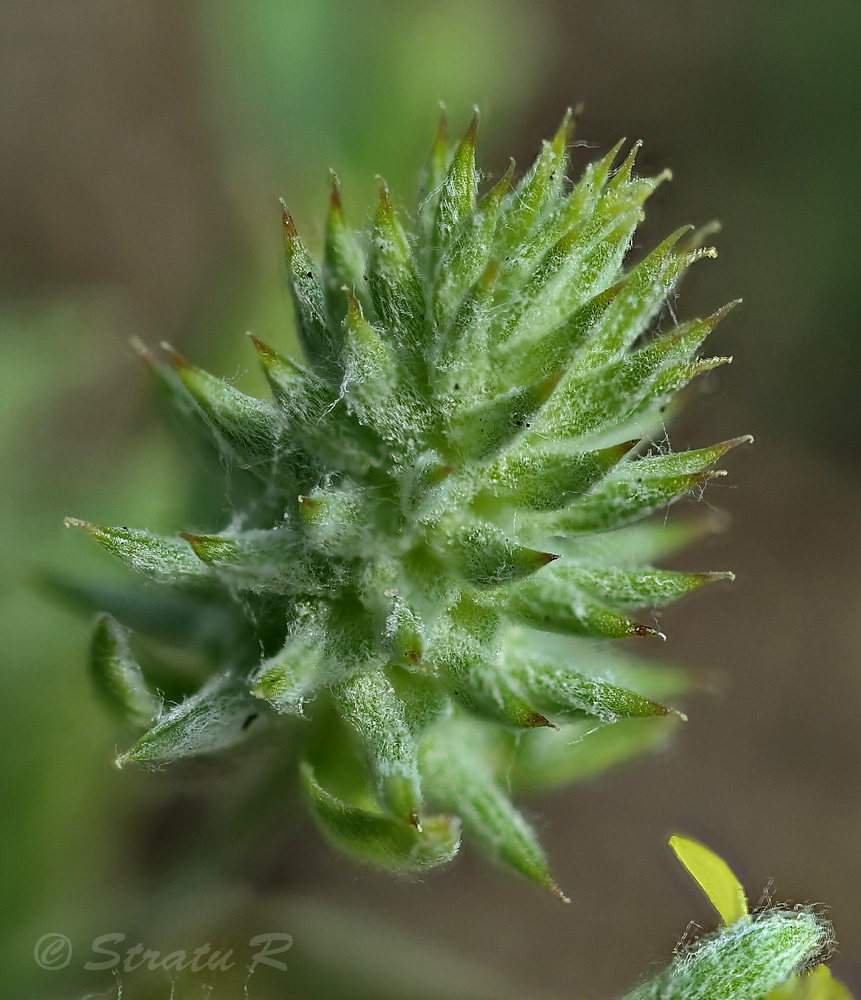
<point x="816" y="984"/>
<point x="714" y="876"/>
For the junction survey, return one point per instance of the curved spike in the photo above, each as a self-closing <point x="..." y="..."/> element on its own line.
<point x="484" y="430"/>
<point x="552" y="602"/>
<point x="548" y="683"/>
<point x="430" y="182"/>
<point x="636" y="588"/>
<point x="565" y="133"/>
<point x="623" y="173"/>
<point x="343" y="258"/>
<point x="619" y="502"/>
<point x="248" y="428"/>
<point x="395" y="287"/>
<point x="466" y="255"/>
<point x="548" y="480"/>
<point x="486" y="558"/>
<point x="457" y="196"/>
<point x="318" y="337"/>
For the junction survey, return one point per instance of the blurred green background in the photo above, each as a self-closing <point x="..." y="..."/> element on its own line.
<point x="143" y="146"/>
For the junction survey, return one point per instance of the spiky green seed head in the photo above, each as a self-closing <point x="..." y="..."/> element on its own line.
<point x="432" y="519"/>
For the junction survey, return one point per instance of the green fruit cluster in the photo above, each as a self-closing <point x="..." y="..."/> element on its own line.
<point x="437" y="512"/>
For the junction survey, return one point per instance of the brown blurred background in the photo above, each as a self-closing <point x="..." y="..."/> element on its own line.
<point x="143" y="146"/>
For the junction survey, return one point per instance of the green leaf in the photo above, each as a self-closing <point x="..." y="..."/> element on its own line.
<point x="343" y="260"/>
<point x="467" y="657"/>
<point x="168" y="560"/>
<point x="635" y="588"/>
<point x="405" y="631"/>
<point x="459" y="777"/>
<point x="466" y="258"/>
<point x="580" y="264"/>
<point x="375" y="387"/>
<point x="248" y="429"/>
<point x="462" y="363"/>
<point x="378" y="839"/>
<point x="529" y="357"/>
<point x="579" y="206"/>
<point x="316" y="422"/>
<point x="557" y="685"/>
<point x="537" y="189"/>
<point x="548" y="480"/>
<point x="477" y="684"/>
<point x="590" y="400"/>
<point x="396" y="289"/>
<point x="117" y="674"/>
<point x="221" y="715"/>
<point x="552" y="603"/>
<point x="482" y="431"/>
<point x="423" y="485"/>
<point x="458" y="190"/>
<point x="320" y="339"/>
<point x="485" y="557"/>
<point x="219" y="473"/>
<point x="371" y="706"/>
<point x="295" y="673"/>
<point x="333" y="519"/>
<point x="641" y="294"/>
<point x="430" y="185"/>
<point x="631" y="492"/>
<point x="714" y="876"/>
<point x="614" y="504"/>
<point x="273" y="561"/>
<point x="684" y="462"/>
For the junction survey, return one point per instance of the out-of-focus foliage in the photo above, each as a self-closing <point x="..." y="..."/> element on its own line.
<point x="322" y="81"/>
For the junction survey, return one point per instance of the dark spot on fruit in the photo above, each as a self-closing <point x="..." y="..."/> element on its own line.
<point x="309" y="274"/>
<point x="249" y="720"/>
